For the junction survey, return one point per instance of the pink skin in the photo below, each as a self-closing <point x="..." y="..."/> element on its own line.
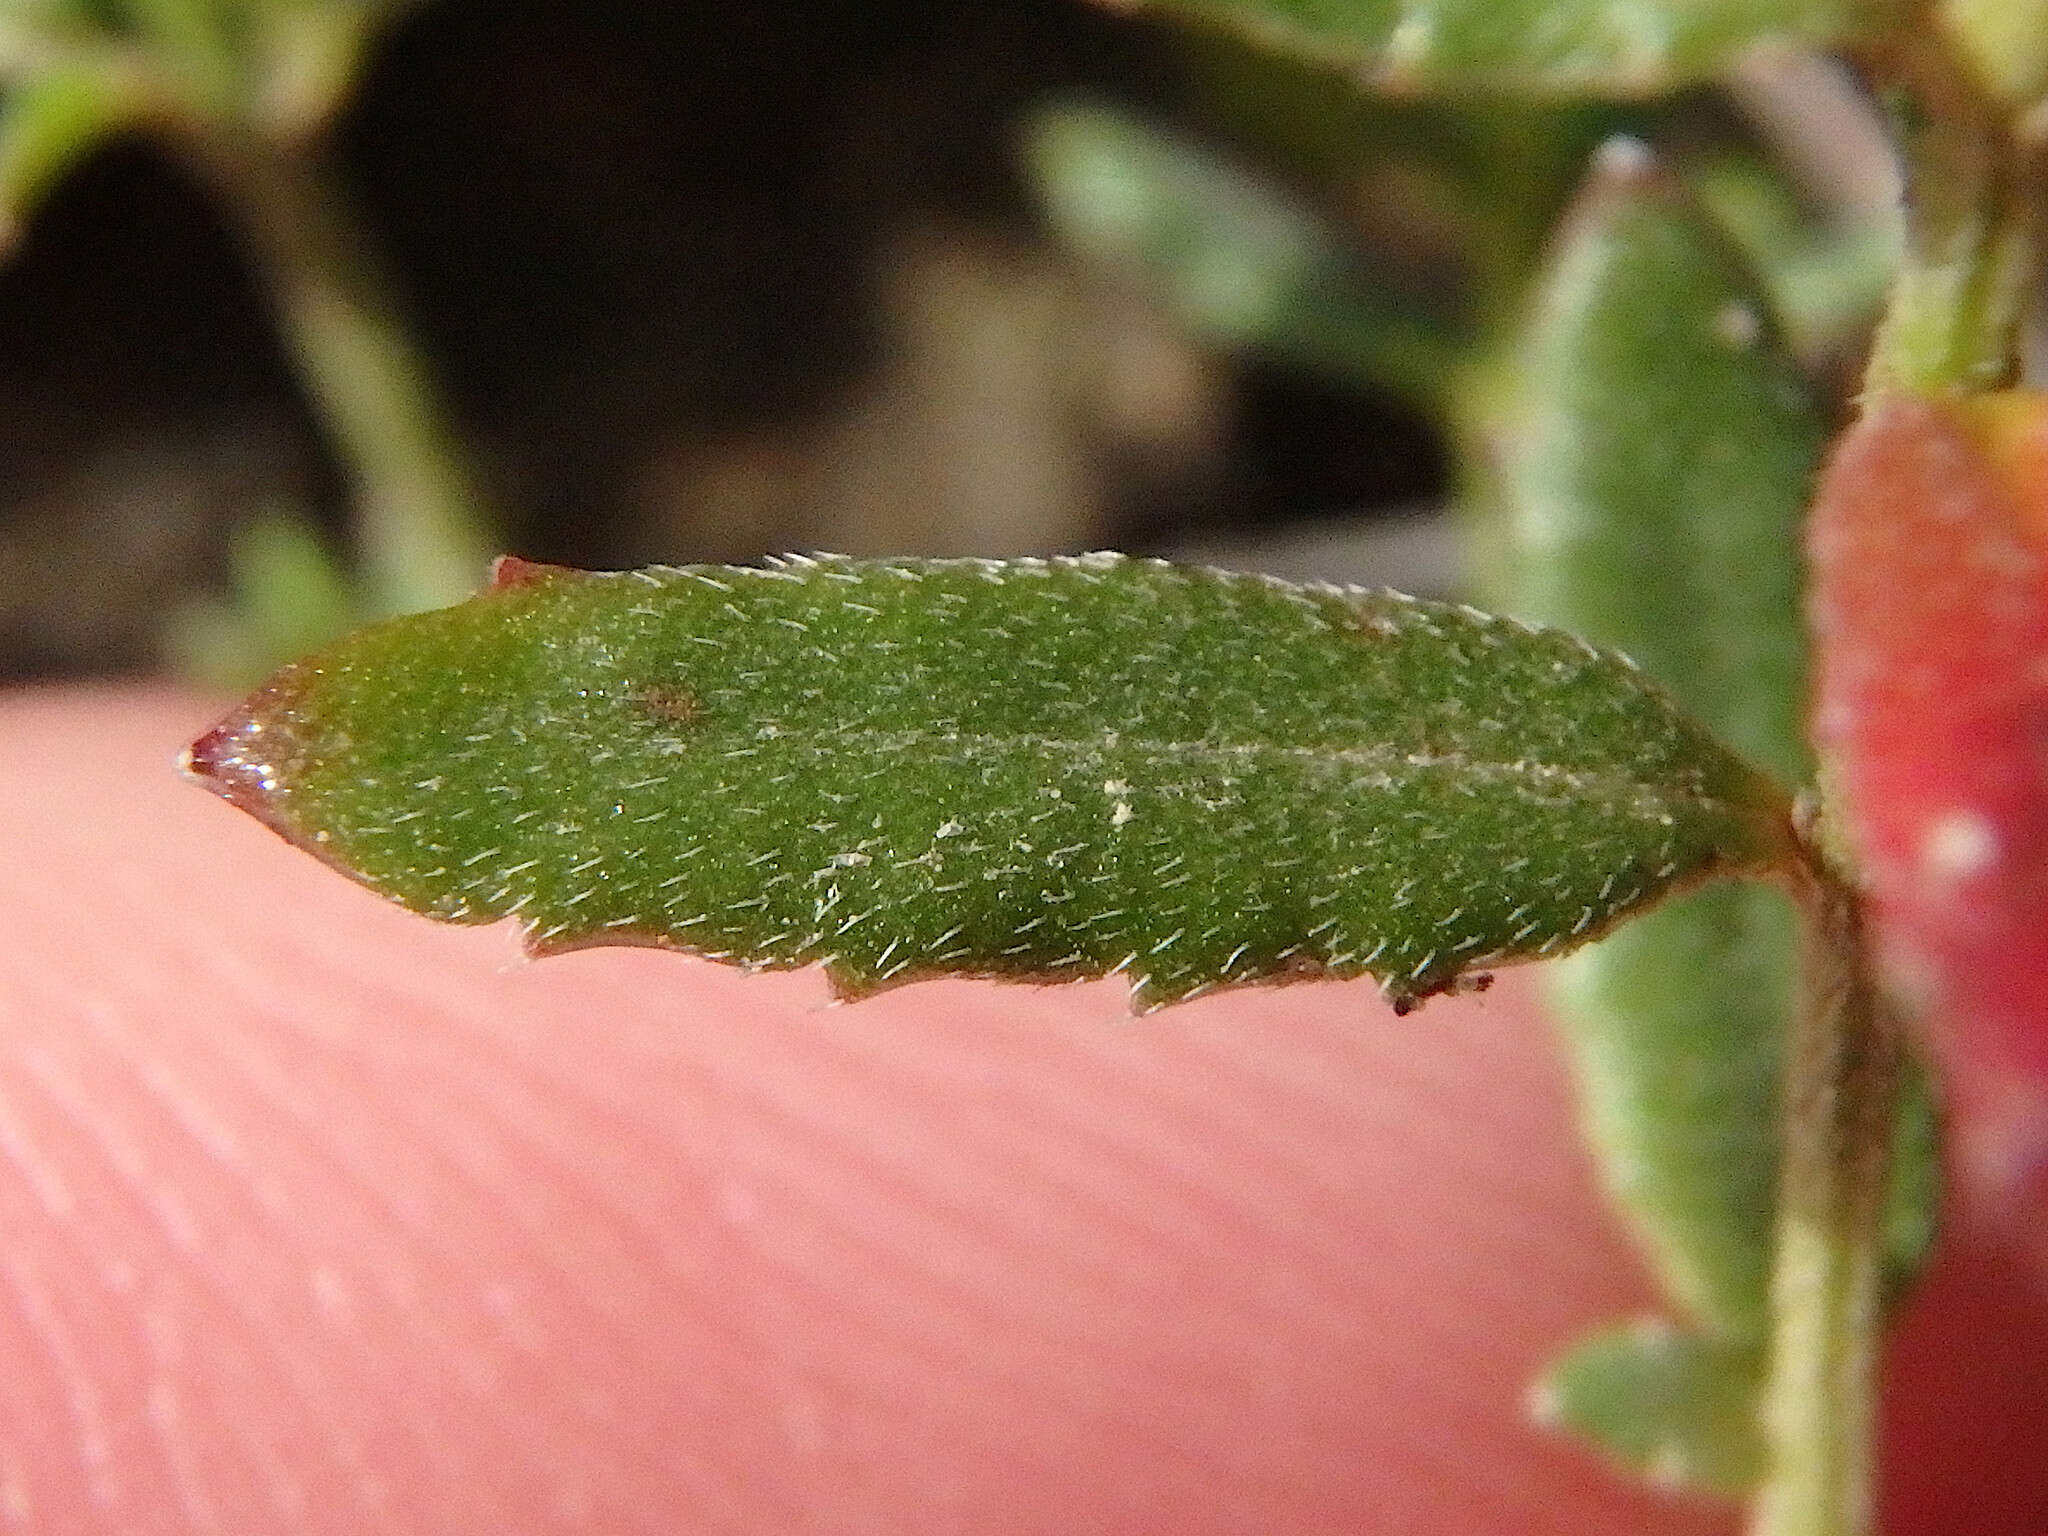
<point x="321" y="1218"/>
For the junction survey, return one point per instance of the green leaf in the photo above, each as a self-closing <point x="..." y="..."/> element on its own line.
<point x="287" y="594"/>
<point x="1655" y="467"/>
<point x="1231" y="257"/>
<point x="49" y="121"/>
<point x="1038" y="770"/>
<point x="1658" y="459"/>
<point x="1655" y="464"/>
<point x="192" y="46"/>
<point x="1454" y="198"/>
<point x="1676" y="1028"/>
<point x="306" y="56"/>
<point x="2005" y="42"/>
<point x="1672" y="1406"/>
<point x="1614" y="47"/>
<point x="1827" y="276"/>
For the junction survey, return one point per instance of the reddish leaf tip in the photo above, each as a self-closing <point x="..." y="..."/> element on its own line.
<point x="517" y="571"/>
<point x="244" y="760"/>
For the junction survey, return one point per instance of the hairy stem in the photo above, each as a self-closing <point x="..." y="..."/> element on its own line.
<point x="1953" y="321"/>
<point x="1844" y="1078"/>
<point x="422" y="523"/>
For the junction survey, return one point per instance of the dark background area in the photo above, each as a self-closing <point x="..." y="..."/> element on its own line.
<point x="700" y="282"/>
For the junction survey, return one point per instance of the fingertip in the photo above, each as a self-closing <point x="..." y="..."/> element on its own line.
<point x="323" y="1218"/>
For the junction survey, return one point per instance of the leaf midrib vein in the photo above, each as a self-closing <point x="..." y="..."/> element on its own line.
<point x="1539" y="779"/>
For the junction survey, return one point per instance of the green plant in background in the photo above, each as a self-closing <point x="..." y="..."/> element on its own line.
<point x="240" y="92"/>
<point x="1051" y="769"/>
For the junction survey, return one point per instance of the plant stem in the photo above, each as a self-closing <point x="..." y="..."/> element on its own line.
<point x="422" y="525"/>
<point x="1954" y="317"/>
<point x="1844" y="1077"/>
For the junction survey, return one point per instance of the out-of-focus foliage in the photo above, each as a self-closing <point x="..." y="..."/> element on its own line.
<point x="1676" y="1407"/>
<point x="1395" y="242"/>
<point x="75" y="72"/>
<point x="51" y="119"/>
<point x="1654" y="457"/>
<point x="1240" y="263"/>
<point x="1825" y="278"/>
<point x="2007" y="43"/>
<point x="1577" y="47"/>
<point x="237" y="90"/>
<point x="286" y="595"/>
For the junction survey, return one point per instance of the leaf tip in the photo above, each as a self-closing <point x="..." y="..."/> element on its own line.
<point x="1675" y="1407"/>
<point x="251" y="755"/>
<point x="237" y="762"/>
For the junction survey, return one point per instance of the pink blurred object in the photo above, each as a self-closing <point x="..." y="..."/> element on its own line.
<point x="1930" y="612"/>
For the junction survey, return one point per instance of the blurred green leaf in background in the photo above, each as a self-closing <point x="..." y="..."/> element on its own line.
<point x="1536" y="47"/>
<point x="241" y="92"/>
